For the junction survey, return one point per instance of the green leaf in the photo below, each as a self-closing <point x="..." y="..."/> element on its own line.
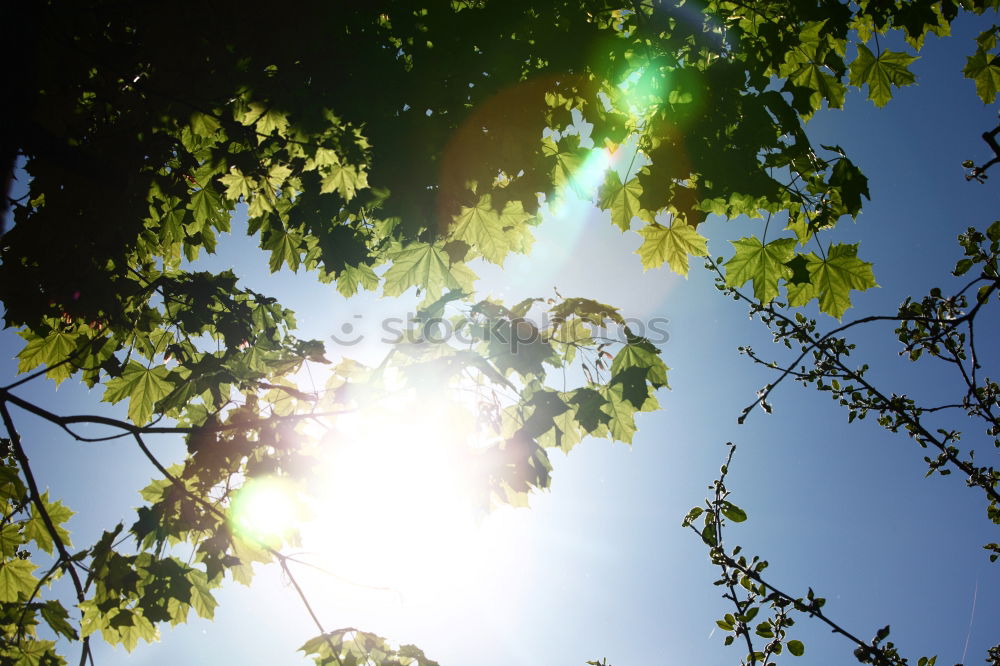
<point x="204" y="125"/>
<point x="56" y="616"/>
<point x="424" y="266"/>
<point x="808" y="66"/>
<point x="142" y="386"/>
<point x="481" y="228"/>
<point x="266" y="120"/>
<point x="621" y="199"/>
<point x="692" y="515"/>
<point x="622" y="412"/>
<point x="671" y="244"/>
<point x="346" y="180"/>
<point x="589" y="409"/>
<point x="237" y="184"/>
<point x="206" y="208"/>
<point x="284" y="248"/>
<point x="202" y="600"/>
<point x="16" y="579"/>
<point x="983" y="67"/>
<point x="889" y="69"/>
<point x="54" y="348"/>
<point x="733" y="512"/>
<point x="800" y="270"/>
<point x="852" y="185"/>
<point x="351" y="278"/>
<point x="796" y="647"/>
<point x="10" y="539"/>
<point x="516" y="223"/>
<point x="832" y="279"/>
<point x="764" y="264"/>
<point x="641" y="354"/>
<point x="35" y="527"/>
<point x="568" y="159"/>
<point x="139" y="628"/>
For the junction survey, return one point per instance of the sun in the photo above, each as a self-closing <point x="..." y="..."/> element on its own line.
<point x="396" y="506"/>
<point x="400" y="498"/>
<point x="267" y="510"/>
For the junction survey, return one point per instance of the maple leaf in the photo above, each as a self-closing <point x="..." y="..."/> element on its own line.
<point x="16" y="579"/>
<point x="622" y="199"/>
<point x="764" y="264"/>
<point x="237" y="184"/>
<point x="983" y="67"/>
<point x="425" y="266"/>
<point x="142" y="386"/>
<point x="284" y="248"/>
<point x="673" y="244"/>
<point x="889" y="69"/>
<point x="621" y="411"/>
<point x="346" y="180"/>
<point x="641" y="353"/>
<point x="831" y="280"/>
<point x="480" y="227"/>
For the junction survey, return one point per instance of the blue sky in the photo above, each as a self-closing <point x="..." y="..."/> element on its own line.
<point x="599" y="566"/>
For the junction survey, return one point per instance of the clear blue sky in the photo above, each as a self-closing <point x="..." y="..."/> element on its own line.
<point x="599" y="566"/>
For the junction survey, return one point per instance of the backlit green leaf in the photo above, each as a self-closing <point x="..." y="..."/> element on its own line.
<point x="983" y="67"/>
<point x="142" y="386"/>
<point x="346" y="180"/>
<point x="480" y="227"/>
<point x="16" y="579"/>
<point x="621" y="199"/>
<point x="35" y="527"/>
<point x="421" y="265"/>
<point x="764" y="264"/>
<point x="832" y="280"/>
<point x="890" y="68"/>
<point x="673" y="244"/>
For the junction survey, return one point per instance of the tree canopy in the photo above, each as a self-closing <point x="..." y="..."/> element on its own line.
<point x="393" y="147"/>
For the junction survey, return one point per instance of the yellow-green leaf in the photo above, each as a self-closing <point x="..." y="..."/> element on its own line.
<point x="622" y="199"/>
<point x="353" y="278"/>
<point x="420" y="265"/>
<point x="237" y="184"/>
<point x="142" y="386"/>
<point x="764" y="264"/>
<point x="284" y="248"/>
<point x="16" y="579"/>
<point x="622" y="412"/>
<point x="35" y="527"/>
<point x="832" y="279"/>
<point x="983" y="67"/>
<point x="54" y="348"/>
<point x="889" y="69"/>
<point x="346" y="180"/>
<point x="480" y="227"/>
<point x="671" y="244"/>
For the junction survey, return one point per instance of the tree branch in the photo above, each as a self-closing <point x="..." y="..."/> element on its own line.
<point x="36" y="498"/>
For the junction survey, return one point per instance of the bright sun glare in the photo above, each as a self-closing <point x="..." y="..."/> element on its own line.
<point x="266" y="510"/>
<point x="397" y="506"/>
<point x="399" y="487"/>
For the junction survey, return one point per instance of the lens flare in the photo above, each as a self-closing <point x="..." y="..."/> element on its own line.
<point x="590" y="175"/>
<point x="641" y="90"/>
<point x="401" y="490"/>
<point x="266" y="510"/>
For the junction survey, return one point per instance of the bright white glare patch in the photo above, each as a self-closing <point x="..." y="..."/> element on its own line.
<point x="399" y="507"/>
<point x="266" y="510"/>
<point x="591" y="173"/>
